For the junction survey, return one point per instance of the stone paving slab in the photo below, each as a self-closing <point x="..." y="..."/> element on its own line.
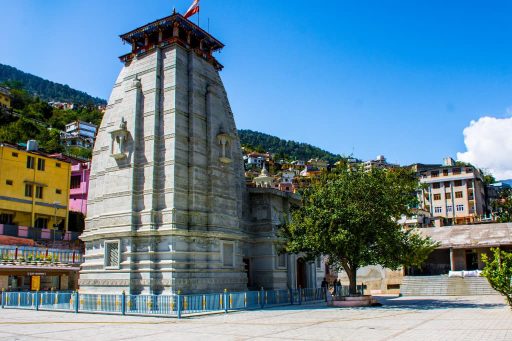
<point x="400" y="318"/>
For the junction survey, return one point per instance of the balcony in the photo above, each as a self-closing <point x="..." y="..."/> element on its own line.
<point x="38" y="234"/>
<point x="39" y="256"/>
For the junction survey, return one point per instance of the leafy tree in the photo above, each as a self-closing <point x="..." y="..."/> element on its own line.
<point x="351" y="217"/>
<point x="80" y="152"/>
<point x="502" y="207"/>
<point x="498" y="272"/>
<point x="50" y="141"/>
<point x="21" y="130"/>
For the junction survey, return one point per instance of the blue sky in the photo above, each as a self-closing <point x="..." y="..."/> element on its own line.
<point x="399" y="78"/>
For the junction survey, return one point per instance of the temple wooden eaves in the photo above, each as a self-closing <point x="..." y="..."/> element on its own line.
<point x="174" y="29"/>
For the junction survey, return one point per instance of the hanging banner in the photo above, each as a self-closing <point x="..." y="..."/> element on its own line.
<point x="35" y="283"/>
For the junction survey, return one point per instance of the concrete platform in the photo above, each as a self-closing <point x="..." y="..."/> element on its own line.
<point x="404" y="318"/>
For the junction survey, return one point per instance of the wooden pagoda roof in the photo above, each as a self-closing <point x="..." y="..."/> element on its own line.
<point x="167" y="23"/>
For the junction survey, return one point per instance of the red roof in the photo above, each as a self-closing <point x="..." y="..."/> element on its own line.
<point x="15" y="241"/>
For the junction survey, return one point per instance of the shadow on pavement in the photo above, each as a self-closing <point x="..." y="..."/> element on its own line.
<point x="413" y="303"/>
<point x="436" y="303"/>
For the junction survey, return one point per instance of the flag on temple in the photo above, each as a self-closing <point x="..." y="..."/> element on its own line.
<point x="194" y="8"/>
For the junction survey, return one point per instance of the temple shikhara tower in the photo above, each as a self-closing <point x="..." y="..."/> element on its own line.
<point x="168" y="209"/>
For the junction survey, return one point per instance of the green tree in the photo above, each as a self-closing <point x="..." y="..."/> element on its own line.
<point x="351" y="217"/>
<point x="502" y="206"/>
<point x="498" y="272"/>
<point x="50" y="141"/>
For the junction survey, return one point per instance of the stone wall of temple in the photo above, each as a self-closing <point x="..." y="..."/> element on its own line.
<point x="166" y="182"/>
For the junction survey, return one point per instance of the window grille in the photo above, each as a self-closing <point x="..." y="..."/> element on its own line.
<point x="112" y="254"/>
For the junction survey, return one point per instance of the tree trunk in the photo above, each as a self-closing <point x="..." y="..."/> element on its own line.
<point x="352" y="277"/>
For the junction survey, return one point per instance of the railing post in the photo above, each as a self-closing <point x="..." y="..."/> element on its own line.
<point x="37" y="300"/>
<point x="123" y="303"/>
<point x="262" y="295"/>
<point x="300" y="295"/>
<point x="291" y="296"/>
<point x="77" y="301"/>
<point x="226" y="302"/>
<point x="178" y="304"/>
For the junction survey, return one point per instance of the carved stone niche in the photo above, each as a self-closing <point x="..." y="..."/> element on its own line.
<point x="224" y="140"/>
<point x="119" y="137"/>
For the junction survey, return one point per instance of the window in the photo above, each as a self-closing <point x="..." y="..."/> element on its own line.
<point x="41" y="223"/>
<point x="456" y="171"/>
<point x="436" y="185"/>
<point x="457" y="183"/>
<point x="445" y="172"/>
<point x="58" y="191"/>
<point x="28" y="190"/>
<point x="40" y="164"/>
<point x="15" y="154"/>
<point x="39" y="192"/>
<point x="460" y="208"/>
<point x="449" y="209"/>
<point x="228" y="254"/>
<point x="448" y="196"/>
<point x="434" y="174"/>
<point x="318" y="262"/>
<point x="57" y="164"/>
<point x="30" y="162"/>
<point x="112" y="254"/>
<point x="6" y="218"/>
<point x="438" y="209"/>
<point x="8" y="182"/>
<point x="281" y="260"/>
<point x="458" y="194"/>
<point x="469" y="170"/>
<point x="75" y="181"/>
<point x="447" y="184"/>
<point x="437" y="196"/>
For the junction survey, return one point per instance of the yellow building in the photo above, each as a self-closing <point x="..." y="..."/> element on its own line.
<point x="5" y="98"/>
<point x="34" y="188"/>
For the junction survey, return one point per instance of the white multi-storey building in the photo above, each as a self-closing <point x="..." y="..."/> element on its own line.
<point x="453" y="193"/>
<point x="79" y="134"/>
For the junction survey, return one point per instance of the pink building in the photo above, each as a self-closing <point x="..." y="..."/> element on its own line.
<point x="79" y="186"/>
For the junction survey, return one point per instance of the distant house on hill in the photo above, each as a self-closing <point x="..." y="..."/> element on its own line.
<point x="79" y="134"/>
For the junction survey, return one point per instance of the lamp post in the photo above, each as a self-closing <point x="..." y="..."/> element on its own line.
<point x="55" y="206"/>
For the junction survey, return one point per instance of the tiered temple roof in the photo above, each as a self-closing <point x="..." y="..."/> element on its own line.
<point x="174" y="29"/>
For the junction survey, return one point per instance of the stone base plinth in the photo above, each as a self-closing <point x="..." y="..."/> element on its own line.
<point x="354" y="301"/>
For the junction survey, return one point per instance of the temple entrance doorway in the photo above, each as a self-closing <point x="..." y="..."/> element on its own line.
<point x="301" y="273"/>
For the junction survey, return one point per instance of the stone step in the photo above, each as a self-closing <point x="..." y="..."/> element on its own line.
<point x="444" y="285"/>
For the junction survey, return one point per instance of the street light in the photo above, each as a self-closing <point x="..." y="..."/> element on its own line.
<point x="55" y="206"/>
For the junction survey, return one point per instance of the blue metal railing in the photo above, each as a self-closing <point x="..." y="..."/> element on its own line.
<point x="176" y="305"/>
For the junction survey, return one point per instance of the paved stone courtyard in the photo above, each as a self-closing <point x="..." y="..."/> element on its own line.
<point x="420" y="318"/>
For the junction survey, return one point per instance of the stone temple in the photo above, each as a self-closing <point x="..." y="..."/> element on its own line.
<point x="168" y="205"/>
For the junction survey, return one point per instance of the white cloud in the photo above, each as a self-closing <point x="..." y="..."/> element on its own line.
<point x="489" y="145"/>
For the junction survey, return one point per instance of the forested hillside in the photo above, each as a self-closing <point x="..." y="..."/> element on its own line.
<point x="45" y="89"/>
<point x="33" y="118"/>
<point x="284" y="149"/>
